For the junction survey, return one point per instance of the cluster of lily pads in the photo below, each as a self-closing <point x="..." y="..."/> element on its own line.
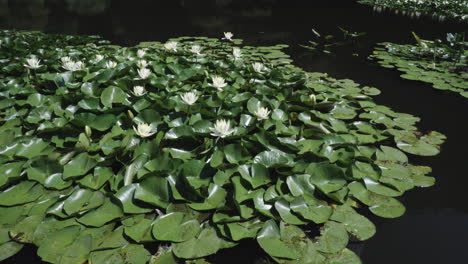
<point x="166" y="153"/>
<point x="442" y="63"/>
<point x="440" y="9"/>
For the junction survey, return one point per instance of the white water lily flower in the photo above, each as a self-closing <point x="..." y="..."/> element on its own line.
<point x="262" y="113"/>
<point x="222" y="129"/>
<point x="99" y="57"/>
<point x="72" y="66"/>
<point x="237" y="53"/>
<point x="189" y="98"/>
<point x="65" y="59"/>
<point x="144" y="130"/>
<point x="196" y="49"/>
<point x="228" y="36"/>
<point x="172" y="45"/>
<point x="142" y="63"/>
<point x="33" y="63"/>
<point x="218" y="82"/>
<point x="144" y="73"/>
<point x="313" y="98"/>
<point x="139" y="90"/>
<point x="141" y="53"/>
<point x="258" y="67"/>
<point x="111" y="64"/>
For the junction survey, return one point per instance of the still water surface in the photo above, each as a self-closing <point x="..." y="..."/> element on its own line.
<point x="435" y="228"/>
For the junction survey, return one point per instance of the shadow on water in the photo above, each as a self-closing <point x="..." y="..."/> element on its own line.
<point x="434" y="229"/>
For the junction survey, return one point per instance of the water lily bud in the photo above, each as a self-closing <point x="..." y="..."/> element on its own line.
<point x="130" y="114"/>
<point x="88" y="131"/>
<point x="313" y="98"/>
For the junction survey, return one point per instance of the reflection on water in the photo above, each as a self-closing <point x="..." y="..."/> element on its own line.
<point x="439" y="236"/>
<point x="88" y="7"/>
<point x="24" y="14"/>
<point x="428" y="232"/>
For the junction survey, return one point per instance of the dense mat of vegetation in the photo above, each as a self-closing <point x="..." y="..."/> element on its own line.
<point x="441" y="63"/>
<point x="168" y="153"/>
<point x="440" y="9"/>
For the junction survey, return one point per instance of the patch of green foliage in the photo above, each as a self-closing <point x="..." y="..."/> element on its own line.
<point x="104" y="151"/>
<point x="326" y="43"/>
<point x="441" y="63"/>
<point x="440" y="9"/>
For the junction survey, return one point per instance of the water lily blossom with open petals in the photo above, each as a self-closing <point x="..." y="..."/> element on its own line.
<point x="33" y="63"/>
<point x="65" y="59"/>
<point x="144" y="73"/>
<point x="189" y="98"/>
<point x="228" y="36"/>
<point x="196" y="49"/>
<point x="111" y="64"/>
<point x="142" y="63"/>
<point x="236" y="53"/>
<point x="262" y="113"/>
<point x="172" y="45"/>
<point x="222" y="129"/>
<point x="258" y="67"/>
<point x="141" y="53"/>
<point x="99" y="57"/>
<point x="218" y="82"/>
<point x="72" y="65"/>
<point x="139" y="90"/>
<point x="144" y="130"/>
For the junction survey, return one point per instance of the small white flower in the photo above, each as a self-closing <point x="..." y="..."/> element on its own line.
<point x="139" y="90"/>
<point x="196" y="49"/>
<point x="33" y="63"/>
<point x="262" y="113"/>
<point x="237" y="53"/>
<point x="218" y="82"/>
<point x="141" y="53"/>
<point x="144" y="130"/>
<point x="144" y="73"/>
<point x="172" y="45"/>
<point x="228" y="36"/>
<point x="222" y="129"/>
<point x="313" y="98"/>
<point x="257" y="66"/>
<point x="65" y="59"/>
<point x="189" y="98"/>
<point x="142" y="64"/>
<point x="99" y="57"/>
<point x="72" y="66"/>
<point x="111" y="64"/>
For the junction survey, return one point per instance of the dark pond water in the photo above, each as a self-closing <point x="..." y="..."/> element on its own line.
<point x="435" y="228"/>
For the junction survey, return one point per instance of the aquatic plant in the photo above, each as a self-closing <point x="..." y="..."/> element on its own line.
<point x="443" y="63"/>
<point x="440" y="9"/>
<point x="326" y="43"/>
<point x="208" y="151"/>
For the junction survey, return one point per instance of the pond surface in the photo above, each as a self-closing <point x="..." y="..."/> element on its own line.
<point x="435" y="228"/>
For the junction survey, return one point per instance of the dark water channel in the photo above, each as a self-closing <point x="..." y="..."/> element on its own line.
<point x="435" y="228"/>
